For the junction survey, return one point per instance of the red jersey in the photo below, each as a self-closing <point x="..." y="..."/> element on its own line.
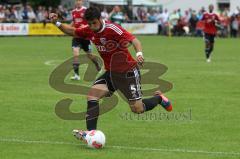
<point x="209" y="20"/>
<point x="78" y="17"/>
<point x="112" y="44"/>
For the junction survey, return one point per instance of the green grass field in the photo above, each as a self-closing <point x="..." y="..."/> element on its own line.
<point x="30" y="129"/>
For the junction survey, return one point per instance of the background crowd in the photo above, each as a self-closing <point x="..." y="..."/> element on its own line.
<point x="177" y="22"/>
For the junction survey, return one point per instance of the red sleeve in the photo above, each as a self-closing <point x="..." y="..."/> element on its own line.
<point x="84" y="33"/>
<point x="119" y="33"/>
<point x="128" y="36"/>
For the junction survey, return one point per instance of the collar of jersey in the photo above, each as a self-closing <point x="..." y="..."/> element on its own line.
<point x="211" y="13"/>
<point x="104" y="26"/>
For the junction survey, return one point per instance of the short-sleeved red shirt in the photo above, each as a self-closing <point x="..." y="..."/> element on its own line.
<point x="112" y="44"/>
<point x="78" y="17"/>
<point x="209" y="20"/>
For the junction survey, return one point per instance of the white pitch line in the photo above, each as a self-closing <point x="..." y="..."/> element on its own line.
<point x="123" y="147"/>
<point x="57" y="62"/>
<point x="51" y="62"/>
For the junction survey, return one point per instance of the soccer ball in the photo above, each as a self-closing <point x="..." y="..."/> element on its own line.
<point x="95" y="139"/>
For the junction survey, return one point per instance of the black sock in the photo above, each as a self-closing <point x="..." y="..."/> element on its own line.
<point x="76" y="68"/>
<point x="207" y="51"/>
<point x="96" y="63"/>
<point x="151" y="103"/>
<point x="211" y="50"/>
<point x="92" y="114"/>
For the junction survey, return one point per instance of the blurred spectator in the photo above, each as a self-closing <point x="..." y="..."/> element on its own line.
<point x="200" y="13"/>
<point x="181" y="28"/>
<point x="7" y="14"/>
<point x="173" y="20"/>
<point x="193" y="23"/>
<point x="13" y="16"/>
<point x="225" y="23"/>
<point x="199" y="28"/>
<point x="152" y="16"/>
<point x="234" y="26"/>
<point x="186" y="17"/>
<point x="162" y="19"/>
<point x="30" y="14"/>
<point x="40" y="14"/>
<point x="179" y="12"/>
<point x="2" y="14"/>
<point x="175" y="23"/>
<point x="142" y="14"/>
<point x="159" y="19"/>
<point x="65" y="14"/>
<point x="117" y="15"/>
<point x="24" y="15"/>
<point x="50" y="10"/>
<point x="104" y="14"/>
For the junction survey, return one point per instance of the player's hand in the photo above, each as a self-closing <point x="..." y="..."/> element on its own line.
<point x="140" y="59"/>
<point x="53" y="17"/>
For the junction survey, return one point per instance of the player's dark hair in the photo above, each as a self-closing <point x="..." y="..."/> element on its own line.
<point x="92" y="13"/>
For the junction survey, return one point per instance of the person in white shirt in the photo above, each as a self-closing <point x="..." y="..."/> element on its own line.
<point x="104" y="14"/>
<point x="2" y="14"/>
<point x="31" y="15"/>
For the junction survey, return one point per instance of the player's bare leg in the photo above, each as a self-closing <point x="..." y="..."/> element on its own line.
<point x="137" y="106"/>
<point x="143" y="105"/>
<point x="96" y="92"/>
<point x="93" y="58"/>
<point x="76" y="63"/>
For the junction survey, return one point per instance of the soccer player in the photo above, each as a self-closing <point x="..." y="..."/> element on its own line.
<point x="80" y="43"/>
<point x="210" y="19"/>
<point x="122" y="72"/>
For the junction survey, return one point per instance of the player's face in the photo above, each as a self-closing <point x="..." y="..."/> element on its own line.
<point x="95" y="24"/>
<point x="211" y="8"/>
<point x="79" y="3"/>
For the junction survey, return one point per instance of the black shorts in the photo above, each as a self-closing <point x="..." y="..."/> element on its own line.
<point x="129" y="84"/>
<point x="209" y="37"/>
<point x="82" y="43"/>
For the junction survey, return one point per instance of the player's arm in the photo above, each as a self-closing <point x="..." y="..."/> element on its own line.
<point x="67" y="29"/>
<point x="138" y="48"/>
<point x="121" y="35"/>
<point x="136" y="44"/>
